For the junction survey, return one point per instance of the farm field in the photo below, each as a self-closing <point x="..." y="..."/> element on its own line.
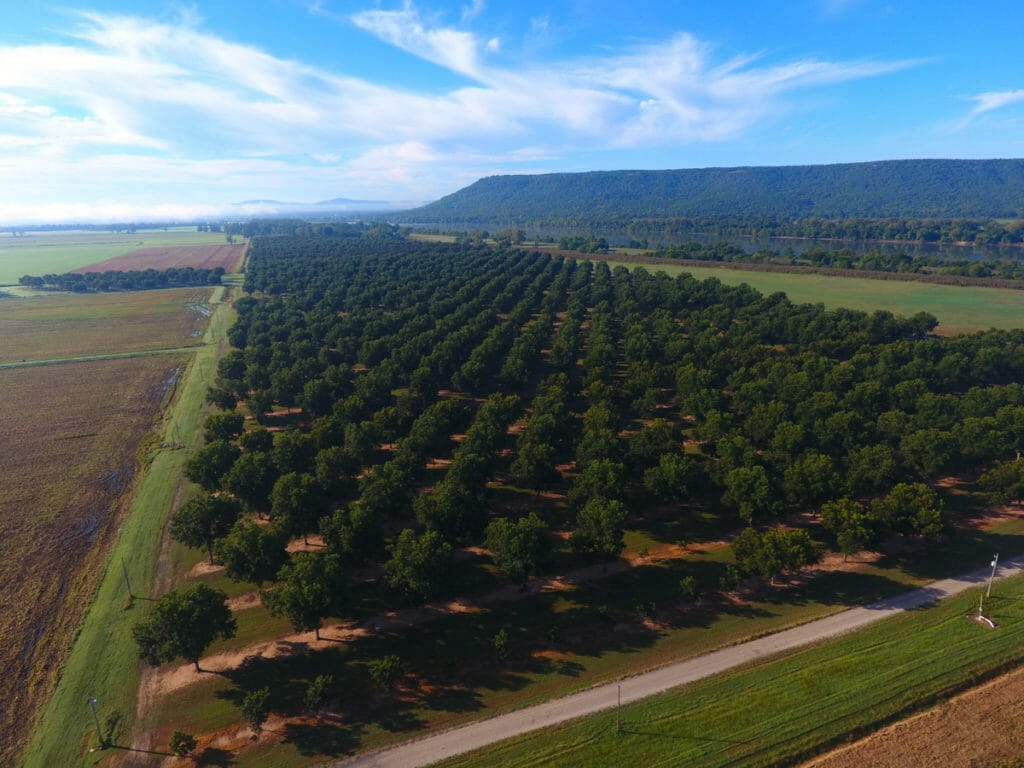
<point x="780" y="711"/>
<point x="960" y="309"/>
<point x="71" y="435"/>
<point x="979" y="727"/>
<point x="65" y="325"/>
<point x="103" y="661"/>
<point x="40" y="253"/>
<point x="226" y="255"/>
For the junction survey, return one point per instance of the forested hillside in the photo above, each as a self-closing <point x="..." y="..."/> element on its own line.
<point x="914" y="188"/>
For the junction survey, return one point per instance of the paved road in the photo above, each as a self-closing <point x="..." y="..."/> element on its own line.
<point x="431" y="749"/>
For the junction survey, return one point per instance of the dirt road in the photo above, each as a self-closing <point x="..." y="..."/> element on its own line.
<point x="457" y="741"/>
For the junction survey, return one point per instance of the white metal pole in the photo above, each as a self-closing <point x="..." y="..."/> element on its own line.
<point x="995" y="564"/>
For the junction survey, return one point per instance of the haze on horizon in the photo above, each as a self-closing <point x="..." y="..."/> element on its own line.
<point x="145" y="110"/>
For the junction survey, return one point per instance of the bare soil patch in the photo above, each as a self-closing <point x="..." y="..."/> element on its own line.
<point x="66" y="466"/>
<point x="226" y="255"/>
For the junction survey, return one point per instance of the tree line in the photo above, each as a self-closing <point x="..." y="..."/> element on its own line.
<point x="131" y="280"/>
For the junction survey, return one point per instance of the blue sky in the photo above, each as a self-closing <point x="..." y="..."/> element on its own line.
<point x="143" y="109"/>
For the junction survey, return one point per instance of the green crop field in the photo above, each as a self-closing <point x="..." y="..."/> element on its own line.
<point x="66" y="325"/>
<point x="782" y="711"/>
<point x="959" y="308"/>
<point x="40" y="253"/>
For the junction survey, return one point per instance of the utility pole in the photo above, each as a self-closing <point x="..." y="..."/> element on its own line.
<point x="126" y="582"/>
<point x="995" y="564"/>
<point x="618" y="706"/>
<point x="96" y="720"/>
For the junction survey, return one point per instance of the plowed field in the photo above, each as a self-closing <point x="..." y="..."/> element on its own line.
<point x="226" y="255"/>
<point x="69" y="449"/>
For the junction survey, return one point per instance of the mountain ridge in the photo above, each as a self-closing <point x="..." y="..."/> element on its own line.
<point x="931" y="188"/>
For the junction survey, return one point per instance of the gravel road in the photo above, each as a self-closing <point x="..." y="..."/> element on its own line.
<point x="436" y="747"/>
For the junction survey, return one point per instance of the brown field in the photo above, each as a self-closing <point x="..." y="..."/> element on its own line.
<point x="63" y="325"/>
<point x="69" y="449"/>
<point x="227" y="255"/>
<point x="978" y="728"/>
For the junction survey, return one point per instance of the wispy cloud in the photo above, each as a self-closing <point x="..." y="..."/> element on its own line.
<point x="169" y="107"/>
<point x="471" y="11"/>
<point x="453" y="49"/>
<point x="989" y="101"/>
<point x="986" y="102"/>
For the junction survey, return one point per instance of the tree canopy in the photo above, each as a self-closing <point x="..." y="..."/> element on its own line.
<point x="183" y="624"/>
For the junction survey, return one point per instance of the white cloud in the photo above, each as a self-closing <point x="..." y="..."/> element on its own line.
<point x="989" y="101"/>
<point x="160" y="110"/>
<point x="986" y="102"/>
<point x="450" y="48"/>
<point x="471" y="11"/>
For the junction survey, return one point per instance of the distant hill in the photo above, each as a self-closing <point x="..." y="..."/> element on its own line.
<point x="913" y="188"/>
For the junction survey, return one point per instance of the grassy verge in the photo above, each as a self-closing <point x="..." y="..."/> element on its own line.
<point x="103" y="661"/>
<point x="782" y="711"/>
<point x="958" y="308"/>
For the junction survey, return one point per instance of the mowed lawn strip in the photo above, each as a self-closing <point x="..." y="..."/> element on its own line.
<point x="71" y="437"/>
<point x="103" y="661"/>
<point x="68" y="325"/>
<point x="960" y="309"/>
<point x="42" y="253"/>
<point x="780" y="711"/>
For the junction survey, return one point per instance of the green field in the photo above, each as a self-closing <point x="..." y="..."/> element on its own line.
<point x="959" y="308"/>
<point x="40" y="253"/>
<point x="74" y="325"/>
<point x="783" y="711"/>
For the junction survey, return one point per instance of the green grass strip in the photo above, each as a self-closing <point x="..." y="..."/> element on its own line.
<point x="785" y="710"/>
<point x="103" y="661"/>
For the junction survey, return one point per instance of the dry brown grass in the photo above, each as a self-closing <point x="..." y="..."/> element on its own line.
<point x="69" y="450"/>
<point x="977" y="728"/>
<point x="63" y="325"/>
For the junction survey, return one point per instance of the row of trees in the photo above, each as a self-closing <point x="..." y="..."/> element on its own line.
<point x="873" y="260"/>
<point x="117" y="280"/>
